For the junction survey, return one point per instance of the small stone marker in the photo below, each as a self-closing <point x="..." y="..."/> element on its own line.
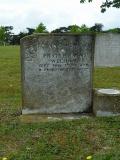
<point x="57" y="73"/>
<point x="106" y="102"/>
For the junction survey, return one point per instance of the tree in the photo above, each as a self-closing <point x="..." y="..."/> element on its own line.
<point x="97" y="27"/>
<point x="60" y="30"/>
<point x="84" y="29"/>
<point x="16" y="38"/>
<point x="30" y="31"/>
<point x="5" y="34"/>
<point x="41" y="28"/>
<point x="74" y="28"/>
<point x="8" y="34"/>
<point x="106" y="4"/>
<point x="114" y="30"/>
<point x="2" y="35"/>
<point x="78" y="29"/>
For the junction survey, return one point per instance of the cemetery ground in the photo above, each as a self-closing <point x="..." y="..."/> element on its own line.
<point x="62" y="140"/>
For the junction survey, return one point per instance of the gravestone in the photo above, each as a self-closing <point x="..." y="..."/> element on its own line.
<point x="106" y="102"/>
<point x="57" y="73"/>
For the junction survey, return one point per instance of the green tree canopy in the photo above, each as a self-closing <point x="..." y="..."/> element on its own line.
<point x="30" y="30"/>
<point x="5" y="34"/>
<point x="2" y="35"/>
<point x="97" y="27"/>
<point x="114" y="30"/>
<point x="84" y="28"/>
<point x="41" y="28"/>
<point x="106" y="4"/>
<point x="72" y="29"/>
<point x="8" y="33"/>
<point x="78" y="29"/>
<point x="60" y="30"/>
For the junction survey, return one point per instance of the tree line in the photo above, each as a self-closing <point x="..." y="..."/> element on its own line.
<point x="7" y="37"/>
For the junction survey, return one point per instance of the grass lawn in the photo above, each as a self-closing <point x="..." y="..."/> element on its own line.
<point x="63" y="140"/>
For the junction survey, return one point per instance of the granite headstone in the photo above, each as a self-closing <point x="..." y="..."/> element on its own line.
<point x="57" y="73"/>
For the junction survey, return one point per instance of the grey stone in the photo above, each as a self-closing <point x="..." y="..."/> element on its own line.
<point x="106" y="102"/>
<point x="107" y="50"/>
<point x="57" y="73"/>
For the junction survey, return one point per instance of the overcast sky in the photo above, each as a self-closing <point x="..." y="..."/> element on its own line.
<point x="55" y="13"/>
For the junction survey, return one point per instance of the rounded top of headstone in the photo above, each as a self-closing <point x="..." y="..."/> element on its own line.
<point x="109" y="91"/>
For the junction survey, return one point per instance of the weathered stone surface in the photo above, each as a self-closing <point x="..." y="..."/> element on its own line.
<point x="107" y="50"/>
<point x="57" y="73"/>
<point x="106" y="102"/>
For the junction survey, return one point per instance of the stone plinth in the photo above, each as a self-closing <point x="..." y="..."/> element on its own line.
<point x="57" y="73"/>
<point x="106" y="102"/>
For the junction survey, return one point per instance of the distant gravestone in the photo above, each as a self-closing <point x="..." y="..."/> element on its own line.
<point x="57" y="73"/>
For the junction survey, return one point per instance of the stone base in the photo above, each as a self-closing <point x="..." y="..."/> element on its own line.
<point x="33" y="118"/>
<point x="106" y="102"/>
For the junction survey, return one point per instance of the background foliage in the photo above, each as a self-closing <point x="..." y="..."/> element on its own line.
<point x="7" y="37"/>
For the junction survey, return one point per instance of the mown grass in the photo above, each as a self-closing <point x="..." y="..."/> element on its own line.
<point x="73" y="140"/>
<point x="107" y="77"/>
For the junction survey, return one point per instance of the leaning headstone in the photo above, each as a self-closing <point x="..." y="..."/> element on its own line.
<point x="57" y="73"/>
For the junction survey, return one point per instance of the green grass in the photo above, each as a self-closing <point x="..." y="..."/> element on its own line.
<point x="73" y="140"/>
<point x="107" y="77"/>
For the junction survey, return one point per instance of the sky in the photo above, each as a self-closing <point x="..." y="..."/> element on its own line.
<point x="55" y="13"/>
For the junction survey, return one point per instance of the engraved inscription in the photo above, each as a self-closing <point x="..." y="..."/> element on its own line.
<point x="62" y="62"/>
<point x="30" y="53"/>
